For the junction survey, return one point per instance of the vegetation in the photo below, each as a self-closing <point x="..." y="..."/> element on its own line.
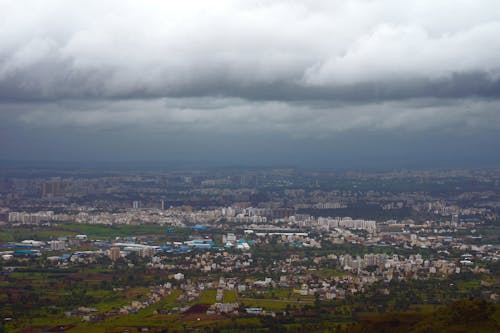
<point x="461" y="316"/>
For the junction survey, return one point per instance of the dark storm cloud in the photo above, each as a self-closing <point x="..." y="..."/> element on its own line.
<point x="314" y="69"/>
<point x="52" y="87"/>
<point x="229" y="115"/>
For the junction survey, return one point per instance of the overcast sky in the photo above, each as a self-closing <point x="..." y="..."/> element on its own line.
<point x="308" y="83"/>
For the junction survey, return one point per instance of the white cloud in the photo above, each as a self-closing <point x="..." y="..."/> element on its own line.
<point x="157" y="47"/>
<point x="409" y="52"/>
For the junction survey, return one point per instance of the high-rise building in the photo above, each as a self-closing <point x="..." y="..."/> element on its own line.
<point x="53" y="188"/>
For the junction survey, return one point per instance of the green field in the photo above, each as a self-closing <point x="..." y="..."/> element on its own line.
<point x="230" y="296"/>
<point x="208" y="296"/>
<point x="272" y="304"/>
<point x="92" y="230"/>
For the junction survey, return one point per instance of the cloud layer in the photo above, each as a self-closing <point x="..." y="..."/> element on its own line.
<point x="299" y="69"/>
<point x="131" y="49"/>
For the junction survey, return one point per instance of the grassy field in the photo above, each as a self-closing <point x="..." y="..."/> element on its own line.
<point x="208" y="296"/>
<point x="145" y="317"/>
<point x="230" y="296"/>
<point x="95" y="230"/>
<point x="272" y="304"/>
<point x="5" y="236"/>
<point x="282" y="294"/>
<point x="18" y="234"/>
<point x="149" y="317"/>
<point x="110" y="300"/>
<point x="91" y="230"/>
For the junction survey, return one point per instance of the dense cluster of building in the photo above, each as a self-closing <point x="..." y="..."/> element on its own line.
<point x="257" y="231"/>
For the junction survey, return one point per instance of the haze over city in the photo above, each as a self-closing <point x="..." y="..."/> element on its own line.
<point x="360" y="84"/>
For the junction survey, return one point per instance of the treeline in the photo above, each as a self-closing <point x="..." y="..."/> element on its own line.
<point x="461" y="316"/>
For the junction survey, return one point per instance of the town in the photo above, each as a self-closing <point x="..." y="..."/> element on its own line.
<point x="203" y="249"/>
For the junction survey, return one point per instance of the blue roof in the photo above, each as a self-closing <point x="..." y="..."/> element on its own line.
<point x="24" y="246"/>
<point x="199" y="227"/>
<point x="26" y="252"/>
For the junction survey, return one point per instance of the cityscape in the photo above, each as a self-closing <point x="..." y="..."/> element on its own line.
<point x="253" y="166"/>
<point x="235" y="248"/>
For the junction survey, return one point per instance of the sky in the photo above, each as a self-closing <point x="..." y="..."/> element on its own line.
<point x="330" y="84"/>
